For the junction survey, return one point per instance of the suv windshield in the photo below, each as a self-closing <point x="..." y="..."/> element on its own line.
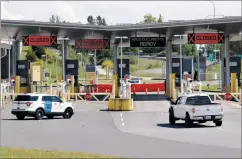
<point x="198" y="100"/>
<point x="26" y="98"/>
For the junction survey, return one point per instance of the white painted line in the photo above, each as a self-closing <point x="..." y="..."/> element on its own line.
<point x="122" y="124"/>
<point x="122" y="119"/>
<point x="121" y="114"/>
<point x="124" y="130"/>
<point x="220" y="128"/>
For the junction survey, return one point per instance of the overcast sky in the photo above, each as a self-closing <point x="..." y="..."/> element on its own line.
<point x="117" y="11"/>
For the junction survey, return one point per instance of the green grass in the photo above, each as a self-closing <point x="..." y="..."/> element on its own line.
<point x="6" y="152"/>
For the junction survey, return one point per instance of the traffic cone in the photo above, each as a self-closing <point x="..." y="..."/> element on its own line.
<point x="146" y="91"/>
<point x="134" y="91"/>
<point x="158" y="91"/>
<point x="97" y="90"/>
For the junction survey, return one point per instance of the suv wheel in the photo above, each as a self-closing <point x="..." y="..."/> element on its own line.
<point x="67" y="114"/>
<point x="39" y="114"/>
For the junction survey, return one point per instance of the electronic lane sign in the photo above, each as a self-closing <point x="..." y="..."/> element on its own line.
<point x="206" y="38"/>
<point x="40" y="40"/>
<point x="98" y="44"/>
<point x="148" y="42"/>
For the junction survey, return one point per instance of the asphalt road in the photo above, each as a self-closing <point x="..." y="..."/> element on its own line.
<point x="144" y="132"/>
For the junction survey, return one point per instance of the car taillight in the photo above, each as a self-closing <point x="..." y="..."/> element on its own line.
<point x="29" y="103"/>
<point x="193" y="110"/>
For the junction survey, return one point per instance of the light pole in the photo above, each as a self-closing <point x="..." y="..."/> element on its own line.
<point x="121" y="53"/>
<point x="138" y="63"/>
<point x="181" y="63"/>
<point x="213" y="8"/>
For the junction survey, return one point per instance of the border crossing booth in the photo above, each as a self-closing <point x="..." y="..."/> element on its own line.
<point x="125" y="69"/>
<point x="22" y="77"/>
<point x="202" y="67"/>
<point x="187" y="68"/>
<point x="71" y="67"/>
<point x="235" y="71"/>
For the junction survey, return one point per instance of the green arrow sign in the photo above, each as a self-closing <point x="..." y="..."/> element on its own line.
<point x="211" y="57"/>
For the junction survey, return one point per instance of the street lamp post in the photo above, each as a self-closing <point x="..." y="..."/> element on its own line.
<point x="213" y="8"/>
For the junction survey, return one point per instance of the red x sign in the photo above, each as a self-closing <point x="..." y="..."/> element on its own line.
<point x="206" y="38"/>
<point x="53" y="40"/>
<point x="26" y="40"/>
<point x="221" y="38"/>
<point x="191" y="38"/>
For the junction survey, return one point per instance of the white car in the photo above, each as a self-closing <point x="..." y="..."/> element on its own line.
<point x="40" y="105"/>
<point x="134" y="81"/>
<point x="195" y="108"/>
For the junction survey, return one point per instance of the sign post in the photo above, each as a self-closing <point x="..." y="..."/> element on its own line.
<point x="211" y="57"/>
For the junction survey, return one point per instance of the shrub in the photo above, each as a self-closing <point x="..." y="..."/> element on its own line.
<point x="107" y="63"/>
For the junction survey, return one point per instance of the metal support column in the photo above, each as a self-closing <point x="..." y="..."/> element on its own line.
<point x="16" y="55"/>
<point x="226" y="49"/>
<point x="64" y="57"/>
<point x="222" y="71"/>
<point x="168" y="64"/>
<point x="115" y="70"/>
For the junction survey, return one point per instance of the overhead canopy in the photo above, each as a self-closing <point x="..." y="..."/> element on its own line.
<point x="16" y="29"/>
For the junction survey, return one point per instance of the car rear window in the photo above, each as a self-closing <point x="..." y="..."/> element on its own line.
<point x="26" y="98"/>
<point x="198" y="100"/>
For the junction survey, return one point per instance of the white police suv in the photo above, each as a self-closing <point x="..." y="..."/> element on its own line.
<point x="40" y="105"/>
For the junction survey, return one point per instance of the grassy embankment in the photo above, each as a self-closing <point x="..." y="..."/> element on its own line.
<point x="6" y="152"/>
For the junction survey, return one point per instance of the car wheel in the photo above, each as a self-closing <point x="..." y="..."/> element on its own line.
<point x="172" y="118"/>
<point x="67" y="114"/>
<point x="188" y="122"/>
<point x="20" y="117"/>
<point x="39" y="114"/>
<point x="218" y="122"/>
<point x="50" y="116"/>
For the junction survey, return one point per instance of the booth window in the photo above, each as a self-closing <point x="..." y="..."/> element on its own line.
<point x="23" y="82"/>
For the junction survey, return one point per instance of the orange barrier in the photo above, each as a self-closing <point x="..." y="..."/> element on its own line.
<point x="148" y="87"/>
<point x="103" y="88"/>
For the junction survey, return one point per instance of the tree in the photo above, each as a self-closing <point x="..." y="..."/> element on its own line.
<point x="30" y="55"/>
<point x="104" y="22"/>
<point x="99" y="20"/>
<point x="91" y="20"/>
<point x="39" y="51"/>
<point x="160" y="19"/>
<point x="52" y="19"/>
<point x="189" y="50"/>
<point x="148" y="18"/>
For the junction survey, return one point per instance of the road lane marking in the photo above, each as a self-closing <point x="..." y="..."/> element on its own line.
<point x="122" y="124"/>
<point x="220" y="128"/>
<point x="121" y="114"/>
<point x="122" y="119"/>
